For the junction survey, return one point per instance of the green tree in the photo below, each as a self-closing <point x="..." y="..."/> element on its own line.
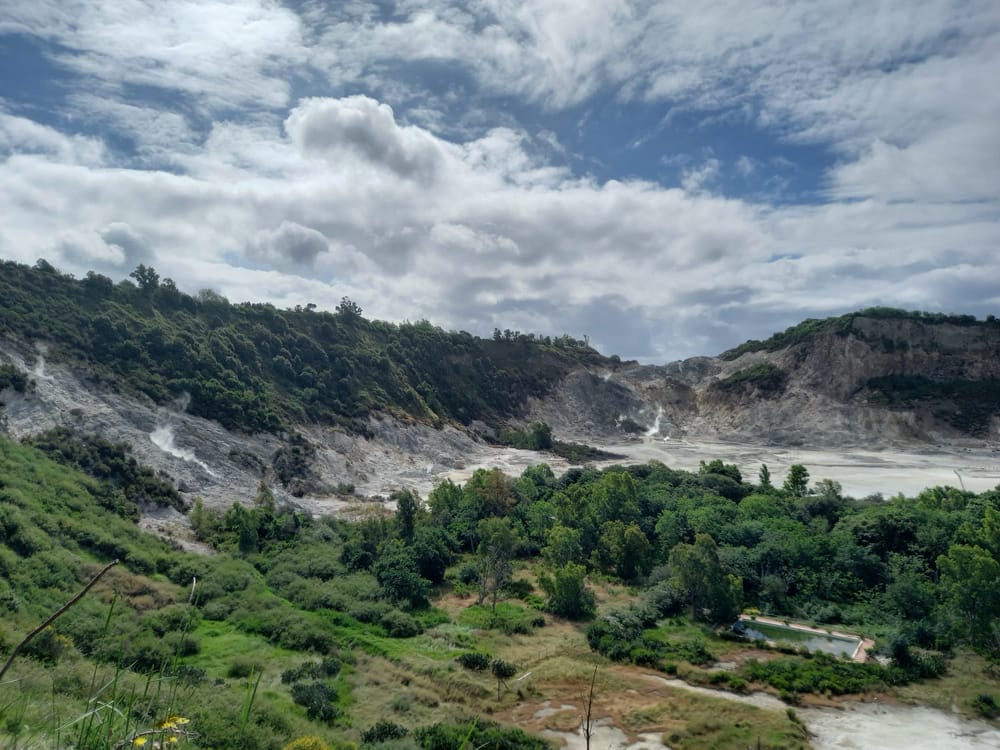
<point x="764" y="478"/>
<point x="433" y="551"/>
<point x="697" y="573"/>
<point x="265" y="497"/>
<point x="568" y="595"/>
<point x="563" y="546"/>
<point x="625" y="549"/>
<point x="970" y="578"/>
<point x="407" y="505"/>
<point x="797" y="480"/>
<point x="495" y="553"/>
<point x="396" y="572"/>
<point x="503" y="671"/>
<point x="147" y="278"/>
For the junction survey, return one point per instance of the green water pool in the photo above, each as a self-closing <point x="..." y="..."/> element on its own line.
<point x="824" y="642"/>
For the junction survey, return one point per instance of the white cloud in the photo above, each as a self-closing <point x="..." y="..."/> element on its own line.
<point x="19" y="135"/>
<point x="471" y="221"/>
<point x="224" y="54"/>
<point x="694" y="180"/>
<point x="360" y="127"/>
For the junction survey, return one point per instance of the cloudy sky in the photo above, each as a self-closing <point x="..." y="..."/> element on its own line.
<point x="669" y="178"/>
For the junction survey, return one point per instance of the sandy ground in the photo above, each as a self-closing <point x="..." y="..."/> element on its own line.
<point x="888" y="471"/>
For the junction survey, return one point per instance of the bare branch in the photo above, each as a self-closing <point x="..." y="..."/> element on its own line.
<point x="62" y="610"/>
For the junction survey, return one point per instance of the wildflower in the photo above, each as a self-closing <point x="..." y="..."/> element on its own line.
<point x="138" y="742"/>
<point x="172" y="722"/>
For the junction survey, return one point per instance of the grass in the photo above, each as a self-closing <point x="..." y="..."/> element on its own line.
<point x="508" y="617"/>
<point x="968" y="676"/>
<point x="696" y="722"/>
<point x="634" y="703"/>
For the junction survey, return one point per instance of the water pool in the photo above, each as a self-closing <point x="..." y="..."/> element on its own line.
<point x="837" y="645"/>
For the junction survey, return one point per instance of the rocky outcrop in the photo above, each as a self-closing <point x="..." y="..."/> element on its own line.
<point x="823" y="390"/>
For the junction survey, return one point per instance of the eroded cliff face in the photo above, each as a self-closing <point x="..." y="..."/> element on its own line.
<point x="816" y="392"/>
<point x="340" y="472"/>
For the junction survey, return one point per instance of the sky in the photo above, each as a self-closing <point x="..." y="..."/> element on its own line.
<point x="667" y="179"/>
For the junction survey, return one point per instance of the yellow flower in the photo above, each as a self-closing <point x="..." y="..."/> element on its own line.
<point x="172" y="738"/>
<point x="138" y="742"/>
<point x="172" y="722"/>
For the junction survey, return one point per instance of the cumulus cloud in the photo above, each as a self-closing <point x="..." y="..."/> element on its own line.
<point x="360" y="127"/>
<point x="291" y="247"/>
<point x="254" y="173"/>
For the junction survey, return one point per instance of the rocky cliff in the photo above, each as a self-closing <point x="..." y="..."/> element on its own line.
<point x="871" y="377"/>
<point x="869" y="380"/>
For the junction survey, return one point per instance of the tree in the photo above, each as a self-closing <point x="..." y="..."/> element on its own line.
<point x="540" y="436"/>
<point x="797" y="480"/>
<point x="396" y="571"/>
<point x="496" y="551"/>
<point x="698" y="574"/>
<point x="433" y="552"/>
<point x="563" y="546"/>
<point x="764" y="478"/>
<point x="716" y="466"/>
<point x="407" y="505"/>
<point x="146" y="277"/>
<point x="265" y="497"/>
<point x="970" y="577"/>
<point x="626" y="549"/>
<point x="503" y="671"/>
<point x="349" y="309"/>
<point x="568" y="593"/>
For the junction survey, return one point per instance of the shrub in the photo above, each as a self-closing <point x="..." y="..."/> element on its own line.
<point x="241" y="667"/>
<point x="383" y="731"/>
<point x="479" y="734"/>
<point x="312" y="670"/>
<point x="399" y="624"/>
<point x="307" y="743"/>
<point x="986" y="705"/>
<point x="317" y="698"/>
<point x="473" y="660"/>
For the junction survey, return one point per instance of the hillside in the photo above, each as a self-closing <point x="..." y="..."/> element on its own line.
<point x="254" y="368"/>
<point x="499" y="600"/>
<point x="876" y="376"/>
<point x="330" y="408"/>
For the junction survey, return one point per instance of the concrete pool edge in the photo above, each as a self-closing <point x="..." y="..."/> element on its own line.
<point x="860" y="654"/>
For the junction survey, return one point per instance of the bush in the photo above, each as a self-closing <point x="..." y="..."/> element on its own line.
<point x="242" y="667"/>
<point x="986" y="705"/>
<point x="312" y="670"/>
<point x="382" y="732"/>
<point x="473" y="660"/>
<point x="317" y="698"/>
<point x="479" y="733"/>
<point x="307" y="743"/>
<point x="399" y="624"/>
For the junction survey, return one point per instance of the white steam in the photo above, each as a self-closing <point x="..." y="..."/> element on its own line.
<point x="39" y="371"/>
<point x="655" y="429"/>
<point x="163" y="438"/>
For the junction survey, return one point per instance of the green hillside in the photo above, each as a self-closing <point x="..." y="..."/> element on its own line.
<point x="257" y="368"/>
<point x="403" y="630"/>
<point x="842" y="325"/>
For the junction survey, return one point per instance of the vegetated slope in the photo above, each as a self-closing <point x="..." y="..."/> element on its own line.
<point x="874" y="375"/>
<point x="253" y="367"/>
